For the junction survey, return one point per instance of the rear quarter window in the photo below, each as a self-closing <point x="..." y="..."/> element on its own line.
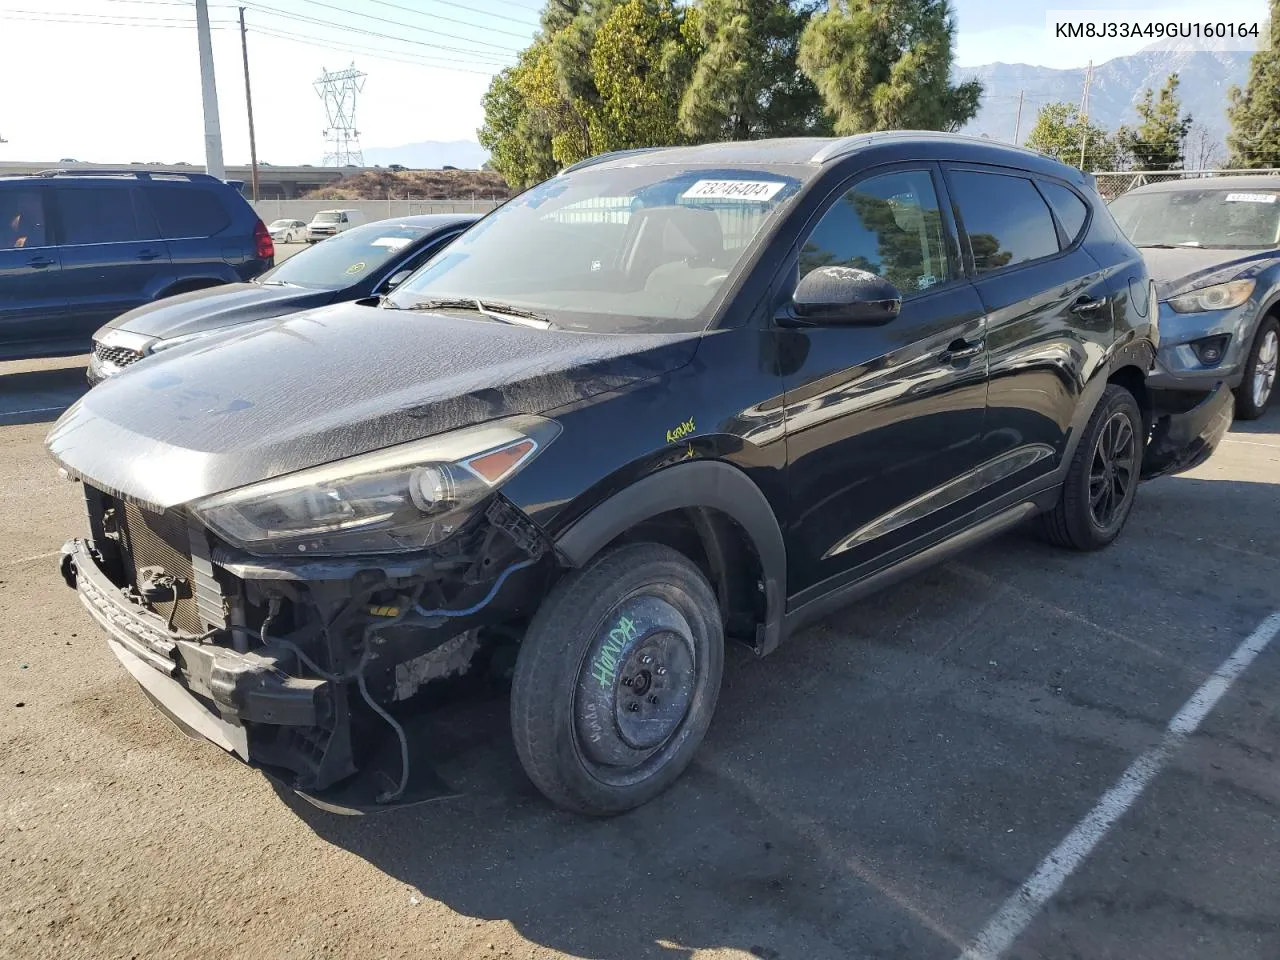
<point x="1069" y="208"/>
<point x="188" y="211"/>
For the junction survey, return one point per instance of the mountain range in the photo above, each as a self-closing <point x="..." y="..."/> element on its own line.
<point x="1117" y="85"/>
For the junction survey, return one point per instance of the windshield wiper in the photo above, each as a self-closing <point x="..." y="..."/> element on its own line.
<point x="1169" y="246"/>
<point x="502" y="312"/>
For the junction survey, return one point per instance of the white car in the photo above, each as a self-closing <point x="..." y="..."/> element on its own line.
<point x="287" y="231"/>
<point x="327" y="223"/>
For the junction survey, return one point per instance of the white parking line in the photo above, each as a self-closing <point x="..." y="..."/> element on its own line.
<point x="1021" y="908"/>
<point x="18" y="413"/>
<point x="34" y="556"/>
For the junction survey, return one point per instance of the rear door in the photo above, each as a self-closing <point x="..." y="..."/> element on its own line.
<point x="195" y="224"/>
<point x="31" y="298"/>
<point x="1048" y="316"/>
<point x="112" y="259"/>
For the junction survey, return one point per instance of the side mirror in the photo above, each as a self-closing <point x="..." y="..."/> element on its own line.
<point x="845" y="295"/>
<point x="396" y="279"/>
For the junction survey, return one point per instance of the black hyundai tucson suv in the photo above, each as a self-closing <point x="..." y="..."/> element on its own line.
<point x="663" y="399"/>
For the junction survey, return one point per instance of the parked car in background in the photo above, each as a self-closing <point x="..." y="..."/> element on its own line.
<point x="1213" y="248"/>
<point x="364" y="262"/>
<point x="288" y="231"/>
<point x="660" y="400"/>
<point x="328" y="223"/>
<point x="78" y="249"/>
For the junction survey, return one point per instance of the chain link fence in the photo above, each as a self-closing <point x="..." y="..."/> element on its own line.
<point x="1113" y="183"/>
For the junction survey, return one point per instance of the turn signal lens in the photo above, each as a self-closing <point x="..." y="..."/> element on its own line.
<point x="494" y="466"/>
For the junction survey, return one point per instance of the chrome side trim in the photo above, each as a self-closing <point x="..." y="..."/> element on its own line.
<point x="980" y="477"/>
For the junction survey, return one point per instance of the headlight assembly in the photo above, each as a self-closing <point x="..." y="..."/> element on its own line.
<point x="403" y="498"/>
<point x="1221" y="296"/>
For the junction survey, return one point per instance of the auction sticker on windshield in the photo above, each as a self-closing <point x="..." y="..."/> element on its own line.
<point x="1251" y="197"/>
<point x="759" y="191"/>
<point x="392" y="243"/>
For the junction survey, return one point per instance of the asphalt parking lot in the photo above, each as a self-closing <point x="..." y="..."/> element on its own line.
<point x="879" y="788"/>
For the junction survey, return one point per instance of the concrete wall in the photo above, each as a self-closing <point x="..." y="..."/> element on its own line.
<point x="270" y="210"/>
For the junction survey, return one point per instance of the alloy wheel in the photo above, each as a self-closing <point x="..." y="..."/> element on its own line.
<point x="1112" y="474"/>
<point x="1264" y="371"/>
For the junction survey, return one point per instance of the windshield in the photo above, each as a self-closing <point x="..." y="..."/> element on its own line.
<point x="327" y="218"/>
<point x="348" y="257"/>
<point x="1246" y="219"/>
<point x="647" y="248"/>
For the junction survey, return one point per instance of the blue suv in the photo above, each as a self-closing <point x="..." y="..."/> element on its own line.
<point x="79" y="249"/>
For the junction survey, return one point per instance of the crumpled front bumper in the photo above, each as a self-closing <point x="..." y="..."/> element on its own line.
<point x="207" y="690"/>
<point x="1185" y="432"/>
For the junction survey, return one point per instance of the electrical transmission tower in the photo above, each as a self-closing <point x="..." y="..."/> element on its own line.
<point x="342" y="140"/>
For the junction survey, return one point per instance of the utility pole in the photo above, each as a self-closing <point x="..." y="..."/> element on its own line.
<point x="209" y="94"/>
<point x="1084" y="113"/>
<point x="1017" y="123"/>
<point x="248" y="102"/>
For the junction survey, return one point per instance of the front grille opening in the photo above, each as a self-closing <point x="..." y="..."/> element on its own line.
<point x="163" y="540"/>
<point x="120" y="356"/>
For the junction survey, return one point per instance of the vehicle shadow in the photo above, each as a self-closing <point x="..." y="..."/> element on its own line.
<point x="1269" y="422"/>
<point x="39" y="395"/>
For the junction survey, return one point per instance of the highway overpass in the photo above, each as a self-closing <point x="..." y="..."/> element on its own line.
<point x="273" y="182"/>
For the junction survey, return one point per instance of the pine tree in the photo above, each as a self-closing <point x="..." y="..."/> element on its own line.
<point x="1157" y="142"/>
<point x="1254" y="112"/>
<point x="885" y="66"/>
<point x="747" y="84"/>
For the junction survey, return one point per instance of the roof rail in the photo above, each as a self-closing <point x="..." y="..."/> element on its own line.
<point x="139" y="174"/>
<point x="602" y="157"/>
<point x="846" y="145"/>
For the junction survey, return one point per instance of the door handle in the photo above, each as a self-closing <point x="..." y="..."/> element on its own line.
<point x="1086" y="305"/>
<point x="148" y="255"/>
<point x="40" y="262"/>
<point x="961" y="350"/>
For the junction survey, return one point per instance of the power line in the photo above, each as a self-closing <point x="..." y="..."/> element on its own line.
<point x="41" y="18"/>
<point x="449" y="3"/>
<point x="345" y="28"/>
<point x="506" y="48"/>
<point x="377" y="52"/>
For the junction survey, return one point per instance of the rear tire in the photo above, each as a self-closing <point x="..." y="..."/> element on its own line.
<point x="617" y="679"/>
<point x="1097" y="495"/>
<point x="1259" y="383"/>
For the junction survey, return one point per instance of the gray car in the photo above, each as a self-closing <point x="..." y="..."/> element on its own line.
<point x="1213" y="249"/>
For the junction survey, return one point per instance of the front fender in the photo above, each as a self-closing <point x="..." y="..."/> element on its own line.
<point x="710" y="484"/>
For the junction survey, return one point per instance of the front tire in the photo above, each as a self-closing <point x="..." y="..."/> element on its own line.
<point x="1258" y="385"/>
<point x="617" y="679"/>
<point x="1097" y="495"/>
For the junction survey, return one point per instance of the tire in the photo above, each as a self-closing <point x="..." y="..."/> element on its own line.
<point x="582" y="671"/>
<point x="1091" y="512"/>
<point x="1259" y="383"/>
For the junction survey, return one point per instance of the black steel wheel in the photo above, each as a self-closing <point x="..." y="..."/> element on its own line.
<point x="617" y="678"/>
<point x="1102" y="478"/>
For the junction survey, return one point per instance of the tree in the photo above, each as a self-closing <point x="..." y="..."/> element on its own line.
<point x="1059" y="132"/>
<point x="516" y="132"/>
<point x="886" y="66"/>
<point x="747" y="84"/>
<point x="1254" y="112"/>
<point x="1157" y="142"/>
<point x="1203" y="151"/>
<point x="643" y="58"/>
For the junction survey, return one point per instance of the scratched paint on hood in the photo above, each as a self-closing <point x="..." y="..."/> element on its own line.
<point x="330" y="383"/>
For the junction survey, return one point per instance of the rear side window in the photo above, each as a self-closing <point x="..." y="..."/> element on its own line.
<point x="187" y="211"/>
<point x="1070" y="209"/>
<point x="96" y="214"/>
<point x="22" y="220"/>
<point x="1005" y="217"/>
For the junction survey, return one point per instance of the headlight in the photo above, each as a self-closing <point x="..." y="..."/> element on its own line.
<point x="404" y="498"/>
<point x="1221" y="296"/>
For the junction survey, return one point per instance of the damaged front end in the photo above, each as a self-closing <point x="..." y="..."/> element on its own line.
<point x="298" y="657"/>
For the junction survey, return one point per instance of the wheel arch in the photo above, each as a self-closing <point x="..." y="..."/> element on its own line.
<point x="724" y="509"/>
<point x="189" y="285"/>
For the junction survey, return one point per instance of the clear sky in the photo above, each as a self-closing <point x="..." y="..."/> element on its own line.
<point x="118" y="80"/>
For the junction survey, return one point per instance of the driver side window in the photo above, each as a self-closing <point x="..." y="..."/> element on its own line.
<point x="889" y="225"/>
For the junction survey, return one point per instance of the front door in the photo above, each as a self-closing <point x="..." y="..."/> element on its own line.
<point x="112" y="260"/>
<point x="881" y="420"/>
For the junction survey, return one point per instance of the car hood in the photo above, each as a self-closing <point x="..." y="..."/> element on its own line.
<point x="318" y="386"/>
<point x="1181" y="269"/>
<point x="215" y="307"/>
